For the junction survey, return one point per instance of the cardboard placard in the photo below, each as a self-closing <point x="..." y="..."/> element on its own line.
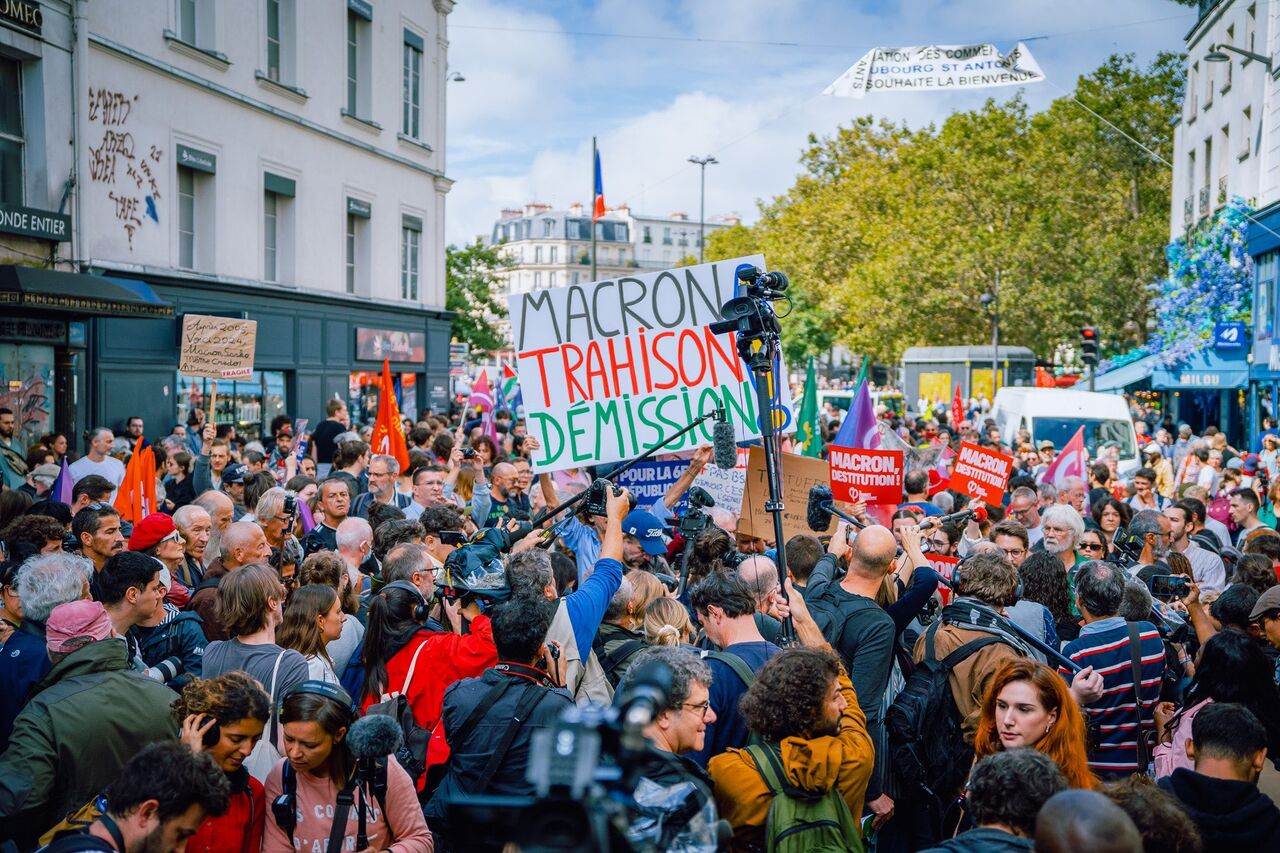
<point x="217" y="347"/>
<point x="981" y="473"/>
<point x="799" y="474"/>
<point x="874" y="476"/>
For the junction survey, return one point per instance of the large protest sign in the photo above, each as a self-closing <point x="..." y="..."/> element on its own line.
<point x="936" y="67"/>
<point x="217" y="347"/>
<point x="649" y="481"/>
<point x="610" y="369"/>
<point x="799" y="474"/>
<point x="981" y="473"/>
<point x="874" y="476"/>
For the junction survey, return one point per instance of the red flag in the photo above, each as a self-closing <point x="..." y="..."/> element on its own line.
<point x="481" y="393"/>
<point x="136" y="497"/>
<point x="388" y="429"/>
<point x="957" y="409"/>
<point x="1071" y="462"/>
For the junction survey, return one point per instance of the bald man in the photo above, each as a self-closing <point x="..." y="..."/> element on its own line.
<point x="862" y="633"/>
<point x="243" y="542"/>
<point x="1085" y="820"/>
<point x="221" y="512"/>
<point x="505" y="498"/>
<point x="355" y="547"/>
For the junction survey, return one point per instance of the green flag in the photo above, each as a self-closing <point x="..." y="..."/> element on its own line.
<point x="862" y="371"/>
<point x="807" y="433"/>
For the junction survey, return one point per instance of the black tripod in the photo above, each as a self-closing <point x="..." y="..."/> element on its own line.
<point x="752" y="318"/>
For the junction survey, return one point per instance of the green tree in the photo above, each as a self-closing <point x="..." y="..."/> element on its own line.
<point x="891" y="235"/>
<point x="472" y="284"/>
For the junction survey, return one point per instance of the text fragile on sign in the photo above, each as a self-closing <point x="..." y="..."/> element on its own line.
<point x="217" y="347"/>
<point x="981" y="473"/>
<point x="874" y="476"/>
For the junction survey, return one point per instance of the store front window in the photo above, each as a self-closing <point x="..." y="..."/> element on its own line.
<point x="26" y="387"/>
<point x="249" y="404"/>
<point x="363" y="395"/>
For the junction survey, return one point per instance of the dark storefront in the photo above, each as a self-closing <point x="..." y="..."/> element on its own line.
<point x="311" y="348"/>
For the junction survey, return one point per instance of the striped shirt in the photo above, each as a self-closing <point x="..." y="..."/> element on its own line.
<point x="1104" y="645"/>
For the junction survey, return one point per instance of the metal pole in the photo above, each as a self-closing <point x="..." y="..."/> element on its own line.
<point x="995" y="339"/>
<point x="594" y="277"/>
<point x="702" y="205"/>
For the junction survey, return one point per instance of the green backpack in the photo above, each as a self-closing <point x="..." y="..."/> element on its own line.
<point x="801" y="822"/>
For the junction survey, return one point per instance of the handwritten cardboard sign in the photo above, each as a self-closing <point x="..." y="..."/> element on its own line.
<point x="799" y="474"/>
<point x="981" y="473"/>
<point x="217" y="347"/>
<point x="874" y="476"/>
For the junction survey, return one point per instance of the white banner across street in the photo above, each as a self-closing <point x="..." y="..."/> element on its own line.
<point x="936" y="67"/>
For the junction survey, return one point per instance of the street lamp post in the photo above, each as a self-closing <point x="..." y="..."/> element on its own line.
<point x="702" y="205"/>
<point x="992" y="300"/>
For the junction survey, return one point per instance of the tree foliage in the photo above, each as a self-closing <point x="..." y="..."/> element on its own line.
<point x="891" y="235"/>
<point x="472" y="284"/>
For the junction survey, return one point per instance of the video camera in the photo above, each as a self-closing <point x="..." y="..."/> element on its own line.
<point x="590" y="792"/>
<point x="694" y="520"/>
<point x="475" y="570"/>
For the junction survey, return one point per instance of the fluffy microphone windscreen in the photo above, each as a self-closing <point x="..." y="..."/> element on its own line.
<point x="979" y="513"/>
<point x="725" y="444"/>
<point x="374" y="736"/>
<point x="818" y="513"/>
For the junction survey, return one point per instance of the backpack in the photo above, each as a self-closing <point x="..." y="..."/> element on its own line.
<point x="412" y="754"/>
<point x="833" y="616"/>
<point x="927" y="749"/>
<point x="614" y="655"/>
<point x="801" y="821"/>
<point x="735" y="663"/>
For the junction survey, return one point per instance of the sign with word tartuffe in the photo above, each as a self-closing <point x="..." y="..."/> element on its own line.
<point x="217" y="347"/>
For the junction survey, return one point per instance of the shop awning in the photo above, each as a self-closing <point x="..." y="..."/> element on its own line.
<point x="79" y="293"/>
<point x="1208" y="369"/>
<point x="1126" y="375"/>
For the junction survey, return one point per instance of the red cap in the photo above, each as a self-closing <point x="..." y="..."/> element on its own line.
<point x="148" y="532"/>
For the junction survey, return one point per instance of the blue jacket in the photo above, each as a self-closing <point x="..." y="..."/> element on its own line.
<point x="24" y="661"/>
<point x="181" y="636"/>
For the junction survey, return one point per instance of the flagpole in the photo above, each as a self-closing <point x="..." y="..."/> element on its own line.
<point x="594" y="154"/>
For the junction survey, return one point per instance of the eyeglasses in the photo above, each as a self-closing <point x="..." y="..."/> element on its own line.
<point x="1092" y="546"/>
<point x="700" y="709"/>
<point x="1014" y="553"/>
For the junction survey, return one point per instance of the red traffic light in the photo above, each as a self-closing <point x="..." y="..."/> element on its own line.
<point x="1089" y="333"/>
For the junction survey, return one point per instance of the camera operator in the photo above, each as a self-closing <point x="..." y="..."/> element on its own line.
<point x="578" y="615"/>
<point x="134" y="599"/>
<point x="583" y="538"/>
<point x="489" y="721"/>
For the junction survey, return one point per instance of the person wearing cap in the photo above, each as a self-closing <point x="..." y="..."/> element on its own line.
<point x="1048" y="450"/>
<point x="642" y="541"/>
<point x="234" y="476"/>
<point x="40" y="480"/>
<point x="1266" y="615"/>
<point x="278" y="462"/>
<point x="157" y="536"/>
<point x="1153" y="458"/>
<point x="90" y="706"/>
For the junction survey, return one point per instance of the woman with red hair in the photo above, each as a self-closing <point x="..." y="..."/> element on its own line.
<point x="1027" y="704"/>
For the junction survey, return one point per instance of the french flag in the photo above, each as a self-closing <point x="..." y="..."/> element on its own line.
<point x="597" y="210"/>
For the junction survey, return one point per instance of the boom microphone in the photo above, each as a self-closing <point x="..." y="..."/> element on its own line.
<point x="725" y="444"/>
<point x="821" y="508"/>
<point x="977" y="513"/>
<point x="374" y="736"/>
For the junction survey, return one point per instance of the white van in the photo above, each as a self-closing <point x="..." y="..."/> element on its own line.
<point x="1056" y="413"/>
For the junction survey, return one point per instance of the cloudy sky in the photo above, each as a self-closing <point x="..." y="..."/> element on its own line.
<point x="659" y="80"/>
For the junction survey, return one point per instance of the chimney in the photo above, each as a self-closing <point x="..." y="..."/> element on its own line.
<point x="683" y="217"/>
<point x="533" y="208"/>
<point x="575" y="209"/>
<point x="509" y="213"/>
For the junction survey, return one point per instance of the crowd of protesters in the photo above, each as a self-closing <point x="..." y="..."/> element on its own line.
<point x="1090" y="665"/>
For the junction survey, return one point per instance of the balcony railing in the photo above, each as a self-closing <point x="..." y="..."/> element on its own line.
<point x="1222" y="190"/>
<point x="1188" y="210"/>
<point x="1204" y="201"/>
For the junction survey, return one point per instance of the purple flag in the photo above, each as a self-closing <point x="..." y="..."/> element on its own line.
<point x="61" y="489"/>
<point x="304" y="514"/>
<point x="859" y="428"/>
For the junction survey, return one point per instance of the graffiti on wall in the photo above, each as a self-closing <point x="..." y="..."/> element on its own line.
<point x="119" y="162"/>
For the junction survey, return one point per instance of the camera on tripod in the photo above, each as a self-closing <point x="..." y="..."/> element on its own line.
<point x="694" y="520"/>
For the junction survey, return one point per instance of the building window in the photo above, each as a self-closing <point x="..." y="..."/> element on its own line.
<point x="11" y="136"/>
<point x="537" y="280"/>
<point x="187" y="21"/>
<point x="411" y="119"/>
<point x="273" y="39"/>
<point x="357" y="246"/>
<point x="575" y="278"/>
<point x="410" y="257"/>
<point x="196" y="23"/>
<point x="537" y="254"/>
<point x="1265" y="271"/>
<point x="551" y="279"/>
<point x="359" y="15"/>
<point x="249" y="404"/>
<point x="666" y="236"/>
<point x="647" y="238"/>
<point x="186" y="218"/>
<point x="351" y="253"/>
<point x="1246" y="131"/>
<point x="270" y="234"/>
<point x="1192" y="91"/>
<point x="1250" y="27"/>
<point x="547" y="225"/>
<point x="281" y="26"/>
<point x="552" y="251"/>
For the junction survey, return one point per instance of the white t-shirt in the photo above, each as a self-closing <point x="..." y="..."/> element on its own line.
<point x="109" y="467"/>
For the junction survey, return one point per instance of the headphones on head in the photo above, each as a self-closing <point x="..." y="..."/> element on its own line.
<point x="420" y="609"/>
<point x="319" y="688"/>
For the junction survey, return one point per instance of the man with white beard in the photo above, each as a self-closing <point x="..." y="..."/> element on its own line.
<point x="1063" y="528"/>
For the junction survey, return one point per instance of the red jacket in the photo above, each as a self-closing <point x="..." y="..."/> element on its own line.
<point x="239" y="830"/>
<point x="446" y="657"/>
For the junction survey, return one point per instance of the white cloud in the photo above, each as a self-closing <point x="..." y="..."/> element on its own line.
<point x="524" y="131"/>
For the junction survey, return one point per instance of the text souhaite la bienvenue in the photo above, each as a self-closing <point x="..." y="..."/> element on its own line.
<point x="981" y="467"/>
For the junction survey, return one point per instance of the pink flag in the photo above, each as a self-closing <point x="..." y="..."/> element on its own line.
<point x="859" y="429"/>
<point x="481" y="395"/>
<point x="1073" y="461"/>
<point x="62" y="486"/>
